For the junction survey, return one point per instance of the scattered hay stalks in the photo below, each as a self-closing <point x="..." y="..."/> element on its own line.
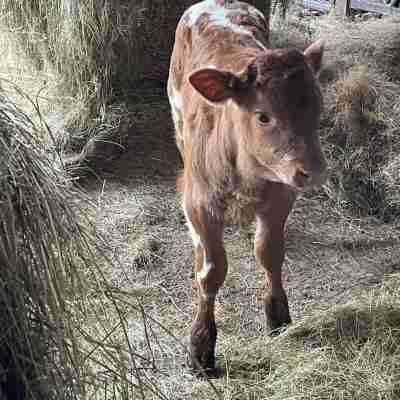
<point x="64" y="328"/>
<point x="356" y="101"/>
<point x="361" y="138"/>
<point x="37" y="261"/>
<point x="350" y="351"/>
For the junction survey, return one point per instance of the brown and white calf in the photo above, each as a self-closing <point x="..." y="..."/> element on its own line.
<point x="246" y="120"/>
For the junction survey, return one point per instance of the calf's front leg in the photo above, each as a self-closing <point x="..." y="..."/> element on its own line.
<point x="270" y="251"/>
<point x="210" y="270"/>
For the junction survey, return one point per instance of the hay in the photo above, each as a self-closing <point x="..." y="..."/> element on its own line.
<point x="97" y="51"/>
<point x="349" y="352"/>
<point x="98" y="47"/>
<point x="38" y="262"/>
<point x="64" y="326"/>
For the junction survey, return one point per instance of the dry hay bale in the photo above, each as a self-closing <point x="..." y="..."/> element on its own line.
<point x="98" y="52"/>
<point x="63" y="330"/>
<point x="98" y="47"/>
<point x="372" y="43"/>
<point x="36" y="260"/>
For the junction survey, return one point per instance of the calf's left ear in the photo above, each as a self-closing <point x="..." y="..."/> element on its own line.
<point x="213" y="84"/>
<point x="313" y="55"/>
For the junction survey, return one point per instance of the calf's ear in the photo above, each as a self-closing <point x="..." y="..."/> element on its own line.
<point x="214" y="85"/>
<point x="313" y="55"/>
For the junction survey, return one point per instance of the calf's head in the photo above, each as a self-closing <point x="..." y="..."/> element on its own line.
<point x="274" y="105"/>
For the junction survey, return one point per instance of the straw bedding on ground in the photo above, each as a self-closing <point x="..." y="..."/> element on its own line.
<point x="342" y="243"/>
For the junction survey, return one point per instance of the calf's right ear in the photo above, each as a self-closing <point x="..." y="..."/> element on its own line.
<point x="214" y="85"/>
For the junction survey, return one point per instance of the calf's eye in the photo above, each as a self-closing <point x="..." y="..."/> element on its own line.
<point x="263" y="118"/>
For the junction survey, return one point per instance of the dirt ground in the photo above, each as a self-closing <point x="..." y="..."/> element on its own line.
<point x="331" y="257"/>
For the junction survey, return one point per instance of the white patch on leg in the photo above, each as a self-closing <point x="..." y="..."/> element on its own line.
<point x="194" y="235"/>
<point x="201" y="276"/>
<point x="205" y="270"/>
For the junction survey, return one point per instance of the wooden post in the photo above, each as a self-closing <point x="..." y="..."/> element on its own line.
<point x="342" y="8"/>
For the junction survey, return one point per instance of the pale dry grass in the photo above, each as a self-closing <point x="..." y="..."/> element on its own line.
<point x="85" y="60"/>
<point x="67" y="332"/>
<point x="350" y="351"/>
<point x="44" y="85"/>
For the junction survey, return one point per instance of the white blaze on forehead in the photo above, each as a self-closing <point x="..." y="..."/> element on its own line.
<point x="194" y="235"/>
<point x="220" y="17"/>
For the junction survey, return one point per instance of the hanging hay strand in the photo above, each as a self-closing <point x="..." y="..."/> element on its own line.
<point x="40" y="241"/>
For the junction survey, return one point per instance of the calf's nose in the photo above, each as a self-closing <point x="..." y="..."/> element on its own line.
<point x="302" y="177"/>
<point x="310" y="177"/>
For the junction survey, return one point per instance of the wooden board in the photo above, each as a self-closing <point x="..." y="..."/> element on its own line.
<point x="323" y="6"/>
<point x="343" y="6"/>
<point x="375" y="6"/>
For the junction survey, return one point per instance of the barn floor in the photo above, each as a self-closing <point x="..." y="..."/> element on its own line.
<point x="331" y="258"/>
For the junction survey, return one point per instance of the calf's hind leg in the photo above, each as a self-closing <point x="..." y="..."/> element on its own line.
<point x="270" y="252"/>
<point x="210" y="269"/>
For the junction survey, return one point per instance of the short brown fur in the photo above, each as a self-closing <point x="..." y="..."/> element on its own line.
<point x="246" y="120"/>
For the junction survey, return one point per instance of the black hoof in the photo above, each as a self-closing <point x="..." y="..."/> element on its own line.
<point x="202" y="349"/>
<point x="199" y="369"/>
<point x="277" y="313"/>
